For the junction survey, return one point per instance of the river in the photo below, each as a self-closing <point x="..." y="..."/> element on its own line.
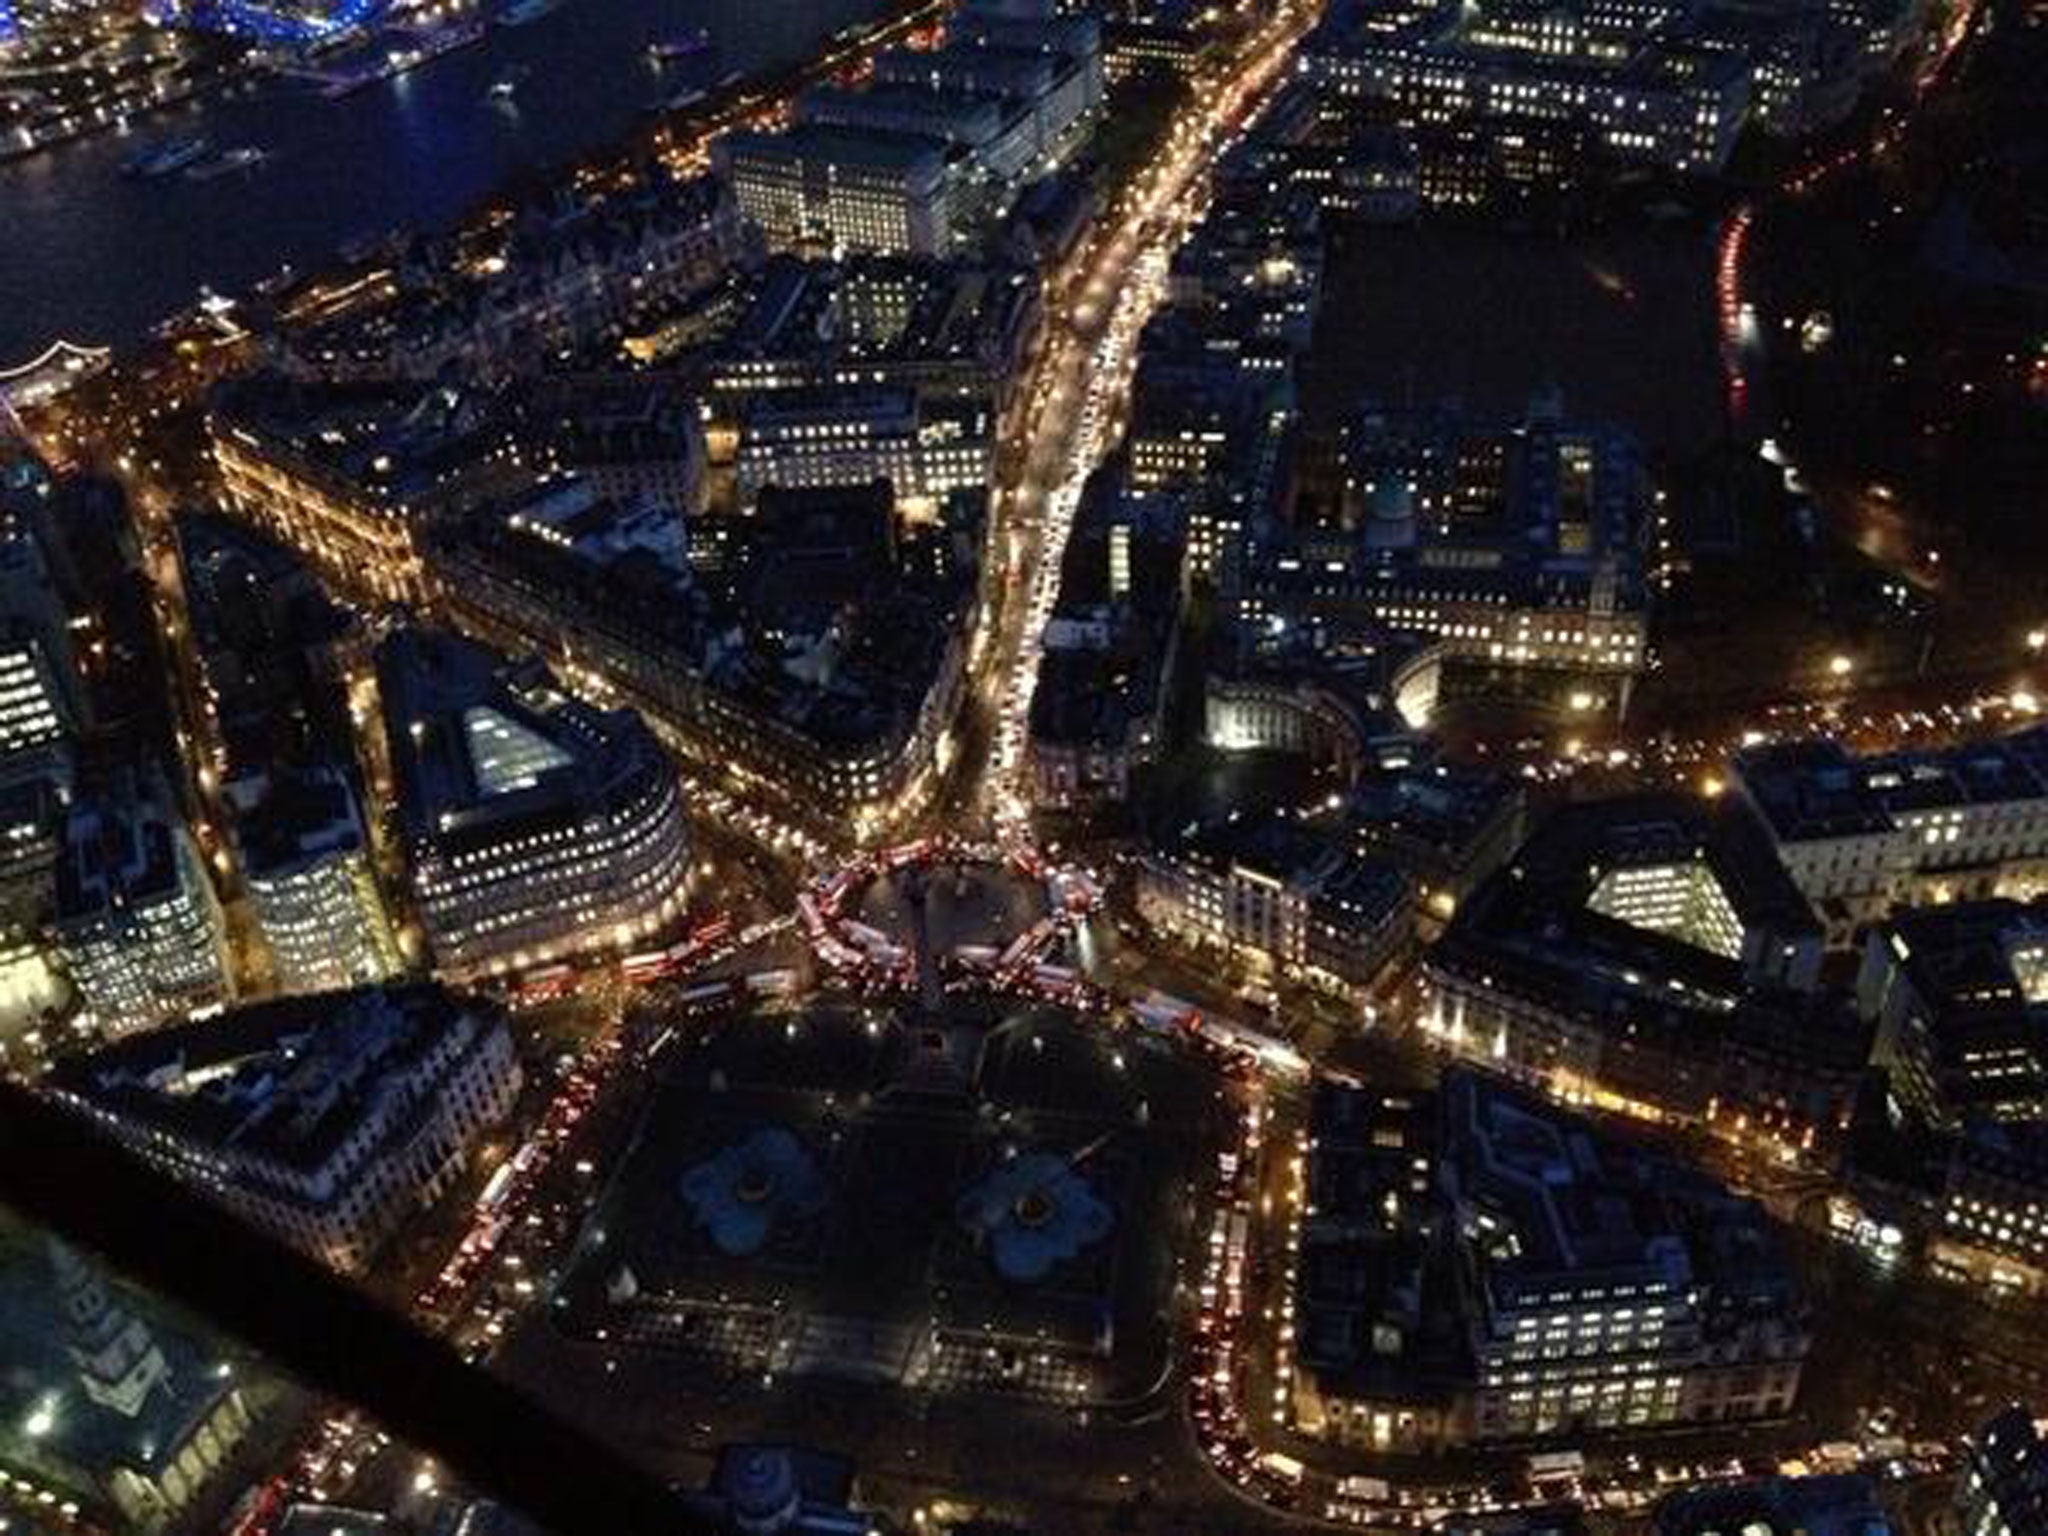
<point x="98" y="258"/>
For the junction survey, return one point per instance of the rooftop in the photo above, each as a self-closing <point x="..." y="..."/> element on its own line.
<point x="1809" y="790"/>
<point x="281" y="1083"/>
<point x="483" y="746"/>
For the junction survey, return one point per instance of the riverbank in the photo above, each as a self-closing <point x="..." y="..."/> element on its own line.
<point x="99" y="258"/>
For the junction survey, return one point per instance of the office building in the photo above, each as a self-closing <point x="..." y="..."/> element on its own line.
<point x="352" y="475"/>
<point x="1284" y="901"/>
<point x="35" y="709"/>
<point x="950" y="330"/>
<point x="1956" y="1154"/>
<point x="313" y="887"/>
<point x="1478" y="1265"/>
<point x="136" y="919"/>
<point x="837" y="190"/>
<point x="1509" y="544"/>
<point x="1641" y="95"/>
<point x="846" y="437"/>
<point x="42" y="714"/>
<point x="535" y="826"/>
<point x="327" y="1120"/>
<point x="1648" y="954"/>
<point x="1861" y="835"/>
<point x="1959" y="996"/>
<point x="1049" y="68"/>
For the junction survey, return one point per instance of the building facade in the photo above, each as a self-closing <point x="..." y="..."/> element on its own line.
<point x="137" y="922"/>
<point x="535" y="826"/>
<point x="314" y="888"/>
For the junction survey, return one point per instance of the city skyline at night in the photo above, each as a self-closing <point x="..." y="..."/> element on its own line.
<point x="942" y="767"/>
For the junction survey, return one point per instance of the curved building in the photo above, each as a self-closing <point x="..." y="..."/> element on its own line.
<point x="536" y="825"/>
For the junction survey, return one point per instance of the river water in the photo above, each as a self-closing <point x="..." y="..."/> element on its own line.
<point x="97" y="257"/>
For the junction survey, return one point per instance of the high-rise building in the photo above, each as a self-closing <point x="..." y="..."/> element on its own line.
<point x="40" y="714"/>
<point x="537" y="826"/>
<point x="315" y="893"/>
<point x="136" y="919"/>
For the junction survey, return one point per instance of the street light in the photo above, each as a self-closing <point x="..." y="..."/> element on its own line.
<point x="1840" y="665"/>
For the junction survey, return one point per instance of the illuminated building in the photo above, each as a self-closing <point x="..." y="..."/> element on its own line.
<point x="326" y="1120"/>
<point x="1481" y="1266"/>
<point x="1049" y="68"/>
<point x="845" y="189"/>
<point x="1958" y="996"/>
<point x="813" y="653"/>
<point x="34" y="711"/>
<point x="806" y="439"/>
<point x="1861" y="835"/>
<point x="536" y="826"/>
<point x="910" y="164"/>
<point x="1001" y="139"/>
<point x="953" y="330"/>
<point x="114" y="1413"/>
<point x="1506" y="544"/>
<point x="1644" y="98"/>
<point x="1606" y="1287"/>
<point x="1329" y="694"/>
<point x="1649" y="954"/>
<point x="1284" y="900"/>
<point x="2003" y="1488"/>
<point x="351" y="475"/>
<point x="41" y="713"/>
<point x="314" y="890"/>
<point x="136" y="918"/>
<point x="1135" y="47"/>
<point x="562" y="283"/>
